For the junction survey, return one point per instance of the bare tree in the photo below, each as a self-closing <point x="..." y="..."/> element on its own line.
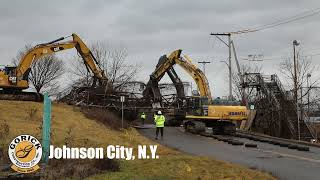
<point x="304" y="67"/>
<point x="44" y="71"/>
<point x="112" y="59"/>
<point x="308" y="95"/>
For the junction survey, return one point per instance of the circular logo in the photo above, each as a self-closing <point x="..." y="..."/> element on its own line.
<point x="25" y="152"/>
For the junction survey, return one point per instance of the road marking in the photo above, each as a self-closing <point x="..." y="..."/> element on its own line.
<point x="293" y="156"/>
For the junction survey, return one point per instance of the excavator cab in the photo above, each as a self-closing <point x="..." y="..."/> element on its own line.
<point x="8" y="76"/>
<point x="197" y="106"/>
<point x="225" y="102"/>
<point x="10" y="72"/>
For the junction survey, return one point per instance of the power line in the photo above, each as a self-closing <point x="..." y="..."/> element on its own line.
<point x="279" y="57"/>
<point x="280" y="22"/>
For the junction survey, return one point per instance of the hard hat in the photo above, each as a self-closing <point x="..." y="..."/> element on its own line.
<point x="159" y="112"/>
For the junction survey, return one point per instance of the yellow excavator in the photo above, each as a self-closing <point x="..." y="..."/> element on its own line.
<point x="13" y="80"/>
<point x="199" y="112"/>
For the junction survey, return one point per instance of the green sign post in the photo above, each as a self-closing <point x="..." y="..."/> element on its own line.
<point x="46" y="128"/>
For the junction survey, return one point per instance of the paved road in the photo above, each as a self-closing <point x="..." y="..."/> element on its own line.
<point x="281" y="162"/>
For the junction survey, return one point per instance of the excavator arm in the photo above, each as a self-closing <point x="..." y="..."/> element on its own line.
<point x="41" y="50"/>
<point x="89" y="59"/>
<point x="166" y="64"/>
<point x="36" y="53"/>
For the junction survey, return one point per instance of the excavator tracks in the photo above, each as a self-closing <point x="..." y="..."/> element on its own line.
<point x="21" y="96"/>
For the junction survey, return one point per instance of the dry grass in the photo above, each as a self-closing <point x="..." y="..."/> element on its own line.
<point x="106" y="117"/>
<point x="181" y="167"/>
<point x="70" y="123"/>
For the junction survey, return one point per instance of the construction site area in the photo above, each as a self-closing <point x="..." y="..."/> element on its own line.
<point x="231" y="115"/>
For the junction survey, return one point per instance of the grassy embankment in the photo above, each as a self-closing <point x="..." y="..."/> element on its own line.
<point x="71" y="126"/>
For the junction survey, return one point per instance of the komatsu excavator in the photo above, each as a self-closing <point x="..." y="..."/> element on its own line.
<point x="13" y="80"/>
<point x="199" y="112"/>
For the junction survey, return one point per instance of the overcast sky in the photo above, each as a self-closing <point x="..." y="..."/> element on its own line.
<point x="150" y="29"/>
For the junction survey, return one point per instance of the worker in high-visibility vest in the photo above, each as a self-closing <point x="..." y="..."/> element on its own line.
<point x="143" y="118"/>
<point x="159" y="120"/>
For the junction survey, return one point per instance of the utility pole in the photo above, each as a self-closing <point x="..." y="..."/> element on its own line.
<point x="230" y="70"/>
<point x="229" y="66"/>
<point x="295" y="64"/>
<point x="243" y="91"/>
<point x="204" y="65"/>
<point x="295" y="43"/>
<point x="308" y="77"/>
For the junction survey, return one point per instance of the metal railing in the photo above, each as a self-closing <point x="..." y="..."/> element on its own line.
<point x="285" y="95"/>
<point x="274" y="78"/>
<point x="312" y="131"/>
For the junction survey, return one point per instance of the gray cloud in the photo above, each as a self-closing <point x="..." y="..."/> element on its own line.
<point x="150" y="29"/>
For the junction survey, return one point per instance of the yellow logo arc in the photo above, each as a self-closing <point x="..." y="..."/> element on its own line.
<point x="25" y="152"/>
